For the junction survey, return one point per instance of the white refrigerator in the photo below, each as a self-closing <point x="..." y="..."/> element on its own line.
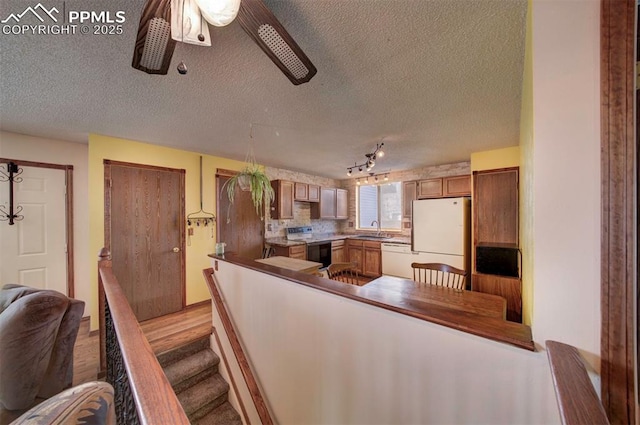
<point x="441" y="231"/>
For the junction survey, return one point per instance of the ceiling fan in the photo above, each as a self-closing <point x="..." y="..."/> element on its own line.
<point x="154" y="43"/>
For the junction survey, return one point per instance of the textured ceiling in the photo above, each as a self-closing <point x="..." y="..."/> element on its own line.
<point x="435" y="80"/>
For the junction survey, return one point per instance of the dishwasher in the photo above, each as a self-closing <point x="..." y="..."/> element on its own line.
<point x="397" y="259"/>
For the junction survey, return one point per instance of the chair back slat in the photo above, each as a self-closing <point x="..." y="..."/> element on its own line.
<point x="439" y="274"/>
<point x="343" y="272"/>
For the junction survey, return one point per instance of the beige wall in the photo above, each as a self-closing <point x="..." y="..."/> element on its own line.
<point x="325" y="359"/>
<point x="38" y="149"/>
<point x="566" y="174"/>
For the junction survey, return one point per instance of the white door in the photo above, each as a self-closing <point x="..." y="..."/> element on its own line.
<point x="33" y="250"/>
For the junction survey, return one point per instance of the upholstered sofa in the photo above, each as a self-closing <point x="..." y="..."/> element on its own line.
<point x="38" y="329"/>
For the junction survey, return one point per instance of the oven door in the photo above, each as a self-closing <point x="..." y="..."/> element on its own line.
<point x="320" y="252"/>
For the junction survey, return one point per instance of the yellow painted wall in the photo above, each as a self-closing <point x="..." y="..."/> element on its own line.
<point x="526" y="176"/>
<point x="494" y="159"/>
<point x="202" y="242"/>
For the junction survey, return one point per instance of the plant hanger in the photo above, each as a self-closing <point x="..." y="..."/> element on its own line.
<point x="201" y="217"/>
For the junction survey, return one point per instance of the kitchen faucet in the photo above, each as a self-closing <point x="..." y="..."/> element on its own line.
<point x="378" y="224"/>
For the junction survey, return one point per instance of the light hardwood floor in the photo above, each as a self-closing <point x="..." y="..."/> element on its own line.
<point x="163" y="334"/>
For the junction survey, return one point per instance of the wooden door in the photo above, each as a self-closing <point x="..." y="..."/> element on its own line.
<point x="34" y="249"/>
<point x="243" y="234"/>
<point x="144" y="230"/>
<point x="431" y="188"/>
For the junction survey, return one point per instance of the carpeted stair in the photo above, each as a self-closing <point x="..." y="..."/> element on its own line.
<point x="192" y="371"/>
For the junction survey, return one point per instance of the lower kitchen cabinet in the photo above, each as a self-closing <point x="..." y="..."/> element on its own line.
<point x="510" y="288"/>
<point x="367" y="255"/>
<point x="372" y="259"/>
<point x="338" y="252"/>
<point x="355" y="253"/>
<point x="295" y="251"/>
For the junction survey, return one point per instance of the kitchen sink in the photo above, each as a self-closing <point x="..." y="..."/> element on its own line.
<point x="371" y="237"/>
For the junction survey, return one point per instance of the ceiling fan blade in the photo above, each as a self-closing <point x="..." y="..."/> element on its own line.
<point x="265" y="29"/>
<point x="154" y="45"/>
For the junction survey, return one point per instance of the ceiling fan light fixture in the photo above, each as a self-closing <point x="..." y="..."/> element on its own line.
<point x="219" y="12"/>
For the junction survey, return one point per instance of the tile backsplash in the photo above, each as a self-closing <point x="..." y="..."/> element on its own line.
<point x="301" y="210"/>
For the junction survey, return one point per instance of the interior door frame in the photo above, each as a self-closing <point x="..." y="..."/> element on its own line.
<point x="182" y="213"/>
<point x="619" y="162"/>
<point x="68" y="179"/>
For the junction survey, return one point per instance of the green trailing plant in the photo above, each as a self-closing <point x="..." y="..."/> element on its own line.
<point x="253" y="179"/>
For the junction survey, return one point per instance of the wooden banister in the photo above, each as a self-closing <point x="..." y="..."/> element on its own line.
<point x="247" y="373"/>
<point x="131" y="366"/>
<point x="578" y="401"/>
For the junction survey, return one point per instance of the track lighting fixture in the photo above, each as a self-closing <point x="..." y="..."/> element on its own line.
<point x="370" y="162"/>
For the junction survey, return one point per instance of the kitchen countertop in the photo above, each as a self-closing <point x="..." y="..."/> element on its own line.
<point x="280" y="241"/>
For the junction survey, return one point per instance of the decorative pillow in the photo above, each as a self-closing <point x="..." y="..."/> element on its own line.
<point x="87" y="404"/>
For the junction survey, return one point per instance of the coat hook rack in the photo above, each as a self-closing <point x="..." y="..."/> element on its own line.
<point x="12" y="175"/>
<point x="201" y="217"/>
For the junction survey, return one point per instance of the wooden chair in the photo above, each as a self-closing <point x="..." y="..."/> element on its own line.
<point x="439" y="274"/>
<point x="344" y="272"/>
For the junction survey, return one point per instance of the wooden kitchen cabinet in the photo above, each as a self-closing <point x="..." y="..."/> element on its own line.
<point x="430" y="188"/>
<point x="367" y="255"/>
<point x="445" y="187"/>
<point x="372" y="257"/>
<point x="301" y="191"/>
<point x="355" y="253"/>
<point x="314" y="193"/>
<point x="495" y="204"/>
<point x="455" y="186"/>
<point x="342" y="207"/>
<point x="295" y="251"/>
<point x="338" y="252"/>
<point x="495" y="237"/>
<point x="510" y="288"/>
<point x="409" y="192"/>
<point x="333" y="204"/>
<point x="306" y="192"/>
<point x="282" y="205"/>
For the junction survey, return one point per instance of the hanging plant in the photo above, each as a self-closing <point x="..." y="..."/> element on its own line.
<point x="254" y="180"/>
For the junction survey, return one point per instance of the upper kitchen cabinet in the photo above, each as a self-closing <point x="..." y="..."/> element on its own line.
<point x="495" y="202"/>
<point x="333" y="204"/>
<point x="342" y="206"/>
<point x="456" y="186"/>
<point x="430" y="188"/>
<point x="409" y="191"/>
<point x="445" y="187"/>
<point x="282" y="205"/>
<point x="307" y="192"/>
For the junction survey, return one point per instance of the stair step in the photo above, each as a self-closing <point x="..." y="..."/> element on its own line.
<point x="201" y="398"/>
<point x="173" y="355"/>
<point x="224" y="414"/>
<point x="188" y="371"/>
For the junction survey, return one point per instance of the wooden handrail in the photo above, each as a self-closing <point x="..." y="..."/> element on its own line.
<point x="155" y="401"/>
<point x="247" y="373"/>
<point x="578" y="401"/>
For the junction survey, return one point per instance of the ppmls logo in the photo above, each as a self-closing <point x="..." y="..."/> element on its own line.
<point x="33" y="11"/>
<point x="52" y="22"/>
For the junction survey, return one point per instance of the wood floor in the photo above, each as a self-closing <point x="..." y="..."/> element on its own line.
<point x="163" y="334"/>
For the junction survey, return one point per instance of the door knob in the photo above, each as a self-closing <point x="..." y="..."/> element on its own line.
<point x="176" y="249"/>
